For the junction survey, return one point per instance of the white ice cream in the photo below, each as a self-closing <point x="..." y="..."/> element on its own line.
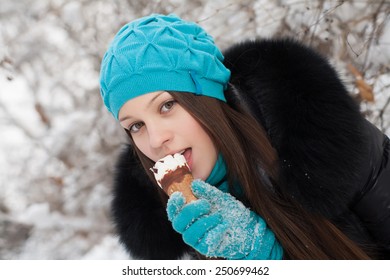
<point x="167" y="164"/>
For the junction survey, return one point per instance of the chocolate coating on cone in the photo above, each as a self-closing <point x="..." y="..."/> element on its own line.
<point x="173" y="176"/>
<point x="178" y="180"/>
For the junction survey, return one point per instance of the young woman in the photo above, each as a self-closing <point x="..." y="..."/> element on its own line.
<point x="286" y="166"/>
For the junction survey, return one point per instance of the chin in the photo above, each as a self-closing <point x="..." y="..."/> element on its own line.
<point x="197" y="176"/>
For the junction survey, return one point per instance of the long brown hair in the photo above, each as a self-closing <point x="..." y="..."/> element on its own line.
<point x="246" y="149"/>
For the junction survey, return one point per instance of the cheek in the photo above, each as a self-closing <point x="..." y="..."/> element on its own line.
<point x="205" y="153"/>
<point x="142" y="145"/>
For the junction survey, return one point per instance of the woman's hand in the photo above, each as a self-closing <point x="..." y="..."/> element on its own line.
<point x="218" y="225"/>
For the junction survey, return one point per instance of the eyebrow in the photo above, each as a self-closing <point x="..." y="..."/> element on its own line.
<point x="147" y="106"/>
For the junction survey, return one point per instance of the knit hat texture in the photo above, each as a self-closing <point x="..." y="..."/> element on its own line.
<point x="161" y="52"/>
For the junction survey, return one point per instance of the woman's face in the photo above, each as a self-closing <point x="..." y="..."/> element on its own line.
<point x="160" y="126"/>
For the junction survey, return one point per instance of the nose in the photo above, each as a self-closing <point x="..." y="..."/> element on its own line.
<point x="159" y="135"/>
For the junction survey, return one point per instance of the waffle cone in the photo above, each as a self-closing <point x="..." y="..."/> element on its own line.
<point x="183" y="185"/>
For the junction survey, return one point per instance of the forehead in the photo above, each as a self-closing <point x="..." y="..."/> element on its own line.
<point x="139" y="103"/>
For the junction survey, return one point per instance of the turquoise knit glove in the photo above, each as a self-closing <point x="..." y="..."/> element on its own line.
<point x="218" y="225"/>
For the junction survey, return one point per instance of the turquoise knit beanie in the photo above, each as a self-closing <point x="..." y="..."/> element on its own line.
<point x="161" y="52"/>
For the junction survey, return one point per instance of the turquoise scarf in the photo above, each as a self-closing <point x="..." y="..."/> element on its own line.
<point x="218" y="177"/>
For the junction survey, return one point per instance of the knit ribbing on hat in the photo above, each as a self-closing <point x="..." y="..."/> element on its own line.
<point x="161" y="52"/>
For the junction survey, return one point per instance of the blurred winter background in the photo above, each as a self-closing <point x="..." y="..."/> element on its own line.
<point x="58" y="144"/>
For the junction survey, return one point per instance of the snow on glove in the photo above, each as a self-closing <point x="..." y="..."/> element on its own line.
<point x="218" y="225"/>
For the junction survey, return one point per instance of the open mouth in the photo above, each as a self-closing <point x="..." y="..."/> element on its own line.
<point x="187" y="153"/>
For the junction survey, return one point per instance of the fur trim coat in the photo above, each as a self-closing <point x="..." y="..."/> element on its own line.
<point x="334" y="162"/>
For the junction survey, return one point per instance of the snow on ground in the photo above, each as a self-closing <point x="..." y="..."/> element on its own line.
<point x="58" y="144"/>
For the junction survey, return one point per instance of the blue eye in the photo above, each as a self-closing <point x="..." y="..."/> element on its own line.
<point x="134" y="128"/>
<point x="167" y="106"/>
